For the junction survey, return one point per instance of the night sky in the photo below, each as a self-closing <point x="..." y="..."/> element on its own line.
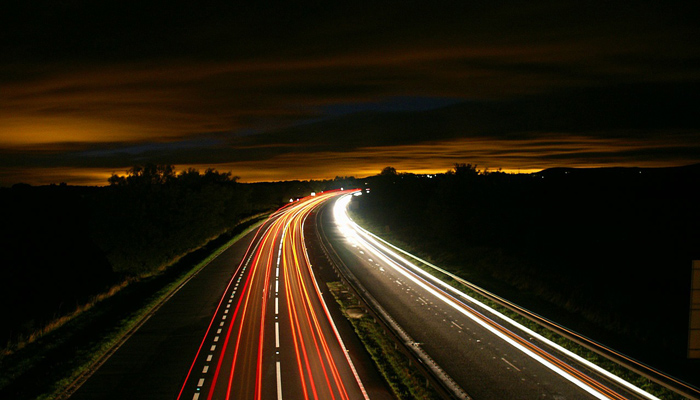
<point x="285" y="91"/>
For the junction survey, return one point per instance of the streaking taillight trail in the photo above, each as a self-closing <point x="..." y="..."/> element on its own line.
<point x="250" y="343"/>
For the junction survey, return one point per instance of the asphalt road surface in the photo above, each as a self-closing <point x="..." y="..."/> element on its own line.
<point x="272" y="336"/>
<point x="153" y="362"/>
<point x="486" y="355"/>
<point x="252" y="324"/>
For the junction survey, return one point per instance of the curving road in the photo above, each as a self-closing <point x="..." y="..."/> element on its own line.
<point x="485" y="353"/>
<point x="272" y="336"/>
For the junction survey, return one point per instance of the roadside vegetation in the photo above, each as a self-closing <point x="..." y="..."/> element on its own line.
<point x="405" y="381"/>
<point x="47" y="367"/>
<point x="604" y="252"/>
<point x="82" y="265"/>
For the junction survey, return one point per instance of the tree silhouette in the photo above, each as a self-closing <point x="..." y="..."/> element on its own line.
<point x="388" y="171"/>
<point x="463" y="170"/>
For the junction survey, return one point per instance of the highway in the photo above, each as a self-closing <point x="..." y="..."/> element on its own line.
<point x="272" y="336"/>
<point x="487" y="354"/>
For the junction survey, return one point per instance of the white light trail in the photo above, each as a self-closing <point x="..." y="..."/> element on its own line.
<point x="356" y="234"/>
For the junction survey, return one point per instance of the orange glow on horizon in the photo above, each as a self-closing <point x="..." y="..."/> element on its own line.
<point x="525" y="156"/>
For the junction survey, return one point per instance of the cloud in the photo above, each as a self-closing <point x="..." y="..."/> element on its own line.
<point x="535" y="153"/>
<point x="107" y="85"/>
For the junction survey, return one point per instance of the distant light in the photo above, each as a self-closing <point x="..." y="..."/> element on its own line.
<point x="342" y="189"/>
<point x="291" y="200"/>
<point x="313" y="193"/>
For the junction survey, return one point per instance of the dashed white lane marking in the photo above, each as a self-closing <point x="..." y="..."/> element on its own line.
<point x="277" y="334"/>
<point x="200" y="383"/>
<point x="456" y="324"/>
<point x="277" y="286"/>
<point x="279" y="381"/>
<point x="506" y="361"/>
<point x="277" y="305"/>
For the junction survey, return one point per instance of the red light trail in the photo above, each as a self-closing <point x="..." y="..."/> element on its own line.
<point x="294" y="343"/>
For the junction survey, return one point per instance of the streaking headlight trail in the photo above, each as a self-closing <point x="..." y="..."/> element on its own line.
<point x="456" y="299"/>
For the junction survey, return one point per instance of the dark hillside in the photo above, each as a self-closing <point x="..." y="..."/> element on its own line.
<point x="49" y="261"/>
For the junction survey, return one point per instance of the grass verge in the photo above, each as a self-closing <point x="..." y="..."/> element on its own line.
<point x="47" y="367"/>
<point x="405" y="381"/>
